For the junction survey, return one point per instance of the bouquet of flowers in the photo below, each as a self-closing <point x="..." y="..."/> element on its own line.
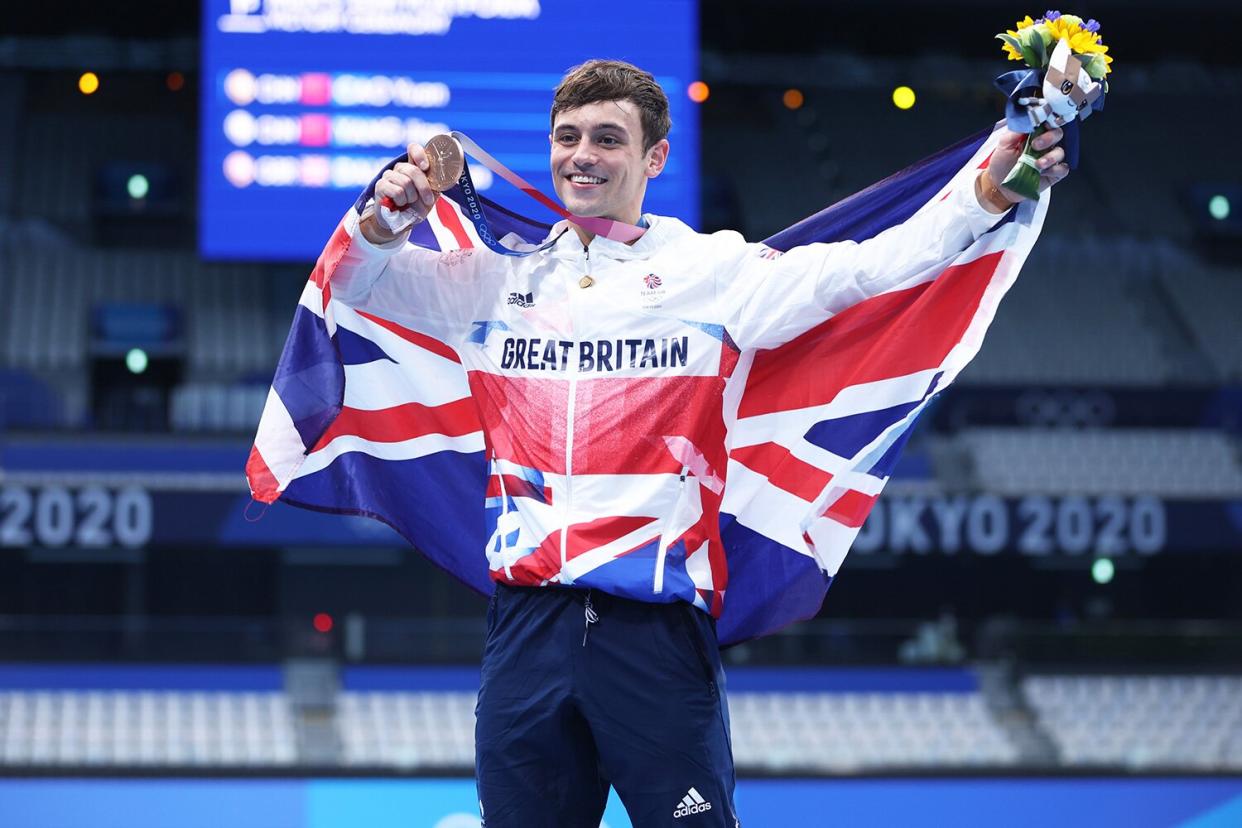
<point x="1066" y="81"/>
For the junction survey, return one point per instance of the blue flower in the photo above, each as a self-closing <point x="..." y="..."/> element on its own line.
<point x="1093" y="25"/>
<point x="1051" y="15"/>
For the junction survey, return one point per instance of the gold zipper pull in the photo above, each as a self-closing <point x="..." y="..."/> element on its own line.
<point x="586" y="281"/>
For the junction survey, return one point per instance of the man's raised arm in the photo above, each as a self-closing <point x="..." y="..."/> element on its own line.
<point x="769" y="301"/>
<point x="420" y="288"/>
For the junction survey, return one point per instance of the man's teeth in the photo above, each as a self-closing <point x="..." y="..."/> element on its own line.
<point x="586" y="179"/>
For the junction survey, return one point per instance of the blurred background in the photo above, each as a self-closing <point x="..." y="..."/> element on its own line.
<point x="1041" y="619"/>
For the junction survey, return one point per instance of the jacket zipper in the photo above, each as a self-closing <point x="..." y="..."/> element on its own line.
<point x="569" y="423"/>
<point x="658" y="586"/>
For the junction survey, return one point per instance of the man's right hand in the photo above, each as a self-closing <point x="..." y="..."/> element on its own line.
<point x="406" y="184"/>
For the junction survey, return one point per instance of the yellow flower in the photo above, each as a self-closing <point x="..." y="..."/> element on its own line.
<point x="1060" y="29"/>
<point x="1066" y="27"/>
<point x="1010" y="52"/>
<point x="1082" y="42"/>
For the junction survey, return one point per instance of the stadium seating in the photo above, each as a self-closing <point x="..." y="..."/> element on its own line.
<point x="1172" y="462"/>
<point x="52" y="291"/>
<point x="774" y="731"/>
<point x="1142" y="721"/>
<point x="860" y="731"/>
<point x="206" y="407"/>
<point x="1179" y="722"/>
<point x="145" y="728"/>
<point x="61" y="152"/>
<point x="1081" y="312"/>
<point x="425" y="729"/>
<point x="1114" y="312"/>
<point x="1209" y="300"/>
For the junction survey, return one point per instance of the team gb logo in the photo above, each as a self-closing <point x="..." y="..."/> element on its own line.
<point x="653" y="292"/>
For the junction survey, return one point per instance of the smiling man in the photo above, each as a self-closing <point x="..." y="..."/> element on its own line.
<point x="605" y="152"/>
<point x="598" y="371"/>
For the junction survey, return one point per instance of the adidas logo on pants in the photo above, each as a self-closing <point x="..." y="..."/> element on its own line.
<point x="692" y="803"/>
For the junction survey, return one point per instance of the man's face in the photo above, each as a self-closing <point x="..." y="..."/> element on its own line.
<point x="599" y="167"/>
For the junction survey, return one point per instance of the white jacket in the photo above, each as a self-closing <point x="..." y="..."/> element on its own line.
<point x="602" y="405"/>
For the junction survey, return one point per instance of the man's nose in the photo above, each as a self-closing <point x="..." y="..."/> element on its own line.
<point x="585" y="155"/>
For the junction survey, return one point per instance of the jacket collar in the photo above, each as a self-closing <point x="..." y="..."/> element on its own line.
<point x="660" y="231"/>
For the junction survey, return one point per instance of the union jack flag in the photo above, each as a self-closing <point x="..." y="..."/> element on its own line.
<point x="368" y="417"/>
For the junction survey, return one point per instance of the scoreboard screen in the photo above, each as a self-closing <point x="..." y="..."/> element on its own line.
<point x="303" y="101"/>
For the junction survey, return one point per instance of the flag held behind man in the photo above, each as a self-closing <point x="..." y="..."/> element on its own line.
<point x="366" y="417"/>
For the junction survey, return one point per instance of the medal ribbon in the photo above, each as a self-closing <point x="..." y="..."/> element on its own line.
<point x="472" y="205"/>
<point x="609" y="229"/>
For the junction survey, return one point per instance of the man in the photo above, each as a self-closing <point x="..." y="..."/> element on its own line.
<point x="599" y="389"/>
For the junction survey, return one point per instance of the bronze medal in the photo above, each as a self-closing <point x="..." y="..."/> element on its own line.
<point x="445" y="160"/>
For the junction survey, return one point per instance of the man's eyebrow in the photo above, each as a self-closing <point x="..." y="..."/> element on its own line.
<point x="606" y="125"/>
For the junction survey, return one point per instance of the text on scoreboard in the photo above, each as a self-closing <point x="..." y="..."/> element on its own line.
<point x="303" y="103"/>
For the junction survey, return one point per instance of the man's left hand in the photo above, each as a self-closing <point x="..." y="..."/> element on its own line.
<point x="1051" y="164"/>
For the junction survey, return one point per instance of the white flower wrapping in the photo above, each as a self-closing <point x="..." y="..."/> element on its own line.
<point x="1068" y="91"/>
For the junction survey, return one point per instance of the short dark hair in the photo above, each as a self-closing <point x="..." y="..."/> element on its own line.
<point x="616" y="80"/>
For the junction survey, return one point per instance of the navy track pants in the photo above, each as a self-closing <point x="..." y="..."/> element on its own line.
<point x="635" y="700"/>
